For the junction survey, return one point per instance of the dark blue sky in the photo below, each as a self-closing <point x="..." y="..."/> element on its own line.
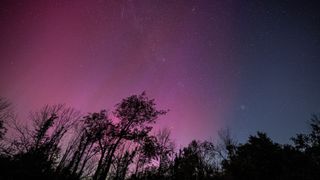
<point x="278" y="51"/>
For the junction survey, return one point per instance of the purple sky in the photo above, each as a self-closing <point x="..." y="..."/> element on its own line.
<point x="212" y="63"/>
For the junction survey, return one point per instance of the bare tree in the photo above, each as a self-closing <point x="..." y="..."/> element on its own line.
<point x="95" y="127"/>
<point x="5" y="113"/>
<point x="165" y="150"/>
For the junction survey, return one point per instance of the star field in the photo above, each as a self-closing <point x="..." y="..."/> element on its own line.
<point x="246" y="65"/>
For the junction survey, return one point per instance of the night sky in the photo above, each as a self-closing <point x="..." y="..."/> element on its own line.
<point x="245" y="65"/>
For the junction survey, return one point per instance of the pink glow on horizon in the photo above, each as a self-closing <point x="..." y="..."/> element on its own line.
<point x="91" y="55"/>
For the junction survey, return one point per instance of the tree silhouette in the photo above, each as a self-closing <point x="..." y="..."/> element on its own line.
<point x="165" y="150"/>
<point x="136" y="114"/>
<point x="94" y="127"/>
<point x="35" y="153"/>
<point x="5" y="113"/>
<point x="309" y="145"/>
<point x="193" y="161"/>
<point x="47" y="150"/>
<point x="61" y="143"/>
<point x="261" y="158"/>
<point x="256" y="159"/>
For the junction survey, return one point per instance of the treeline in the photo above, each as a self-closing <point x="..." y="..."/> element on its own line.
<point x="62" y="143"/>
